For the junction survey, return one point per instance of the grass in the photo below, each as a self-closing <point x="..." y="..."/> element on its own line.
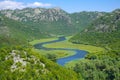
<point x="41" y="40"/>
<point x="58" y="53"/>
<point x="45" y="40"/>
<point x="71" y="64"/>
<point x="64" y="53"/>
<point x="66" y="44"/>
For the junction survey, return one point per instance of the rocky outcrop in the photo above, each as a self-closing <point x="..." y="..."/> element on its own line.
<point x="37" y="14"/>
<point x="21" y="61"/>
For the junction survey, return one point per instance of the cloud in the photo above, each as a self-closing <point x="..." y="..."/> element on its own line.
<point x="38" y="4"/>
<point x="10" y="4"/>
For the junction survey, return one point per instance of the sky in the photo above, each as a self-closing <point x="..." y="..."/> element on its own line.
<point x="67" y="5"/>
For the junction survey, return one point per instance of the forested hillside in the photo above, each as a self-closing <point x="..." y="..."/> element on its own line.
<point x="10" y="34"/>
<point x="104" y="32"/>
<point x="81" y="20"/>
<point x="52" y="21"/>
<point x="18" y="61"/>
<point x="24" y="64"/>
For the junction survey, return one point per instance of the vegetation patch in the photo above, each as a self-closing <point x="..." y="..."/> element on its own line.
<point x="67" y="44"/>
<point x="58" y="53"/>
<point x="64" y="53"/>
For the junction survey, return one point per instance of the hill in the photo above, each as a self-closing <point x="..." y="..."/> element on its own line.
<point x="23" y="63"/>
<point x="83" y="19"/>
<point x="104" y="32"/>
<point x="10" y="35"/>
<point x="52" y="21"/>
<point x="19" y="61"/>
<point x="15" y="32"/>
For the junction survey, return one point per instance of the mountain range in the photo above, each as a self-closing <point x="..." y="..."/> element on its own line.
<point x="102" y="32"/>
<point x="52" y="21"/>
<point x="20" y="26"/>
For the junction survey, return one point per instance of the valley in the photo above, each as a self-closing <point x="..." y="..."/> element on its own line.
<point x="74" y="51"/>
<point x="52" y="44"/>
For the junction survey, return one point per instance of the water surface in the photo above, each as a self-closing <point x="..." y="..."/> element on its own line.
<point x="62" y="61"/>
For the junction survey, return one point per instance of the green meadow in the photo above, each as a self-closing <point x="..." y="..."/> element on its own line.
<point x="67" y="44"/>
<point x="57" y="53"/>
<point x="42" y="40"/>
<point x="65" y="53"/>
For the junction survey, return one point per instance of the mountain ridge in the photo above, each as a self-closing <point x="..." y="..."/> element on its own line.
<point x="102" y="31"/>
<point x="53" y="21"/>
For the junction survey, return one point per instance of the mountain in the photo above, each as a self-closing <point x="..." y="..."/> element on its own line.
<point x="107" y="23"/>
<point x="102" y="32"/>
<point x="52" y="21"/>
<point x="15" y="32"/>
<point x="83" y="19"/>
<point x="19" y="61"/>
<point x="10" y="34"/>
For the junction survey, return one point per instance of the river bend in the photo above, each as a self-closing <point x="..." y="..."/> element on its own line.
<point x="62" y="61"/>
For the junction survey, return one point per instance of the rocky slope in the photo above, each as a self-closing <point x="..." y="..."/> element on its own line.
<point x="52" y="21"/>
<point x="106" y="23"/>
<point x="103" y="31"/>
<point x="37" y="14"/>
<point x="25" y="64"/>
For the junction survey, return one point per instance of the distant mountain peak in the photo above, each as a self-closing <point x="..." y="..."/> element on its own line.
<point x="37" y="14"/>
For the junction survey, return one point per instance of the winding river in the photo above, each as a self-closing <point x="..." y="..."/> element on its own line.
<point x="62" y="61"/>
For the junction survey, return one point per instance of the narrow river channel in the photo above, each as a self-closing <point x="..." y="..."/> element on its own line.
<point x="62" y="61"/>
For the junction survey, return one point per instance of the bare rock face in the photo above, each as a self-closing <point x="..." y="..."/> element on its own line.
<point x="37" y="14"/>
<point x="20" y="62"/>
<point x="53" y="21"/>
<point x="106" y="23"/>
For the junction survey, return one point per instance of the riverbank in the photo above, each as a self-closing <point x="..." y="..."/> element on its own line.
<point x="65" y="45"/>
<point x="58" y="53"/>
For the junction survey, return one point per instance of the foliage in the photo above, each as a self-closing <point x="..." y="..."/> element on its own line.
<point x="83" y="19"/>
<point x="33" y="70"/>
<point x="52" y="57"/>
<point x="51" y="22"/>
<point x="103" y="32"/>
<point x="105" y="67"/>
